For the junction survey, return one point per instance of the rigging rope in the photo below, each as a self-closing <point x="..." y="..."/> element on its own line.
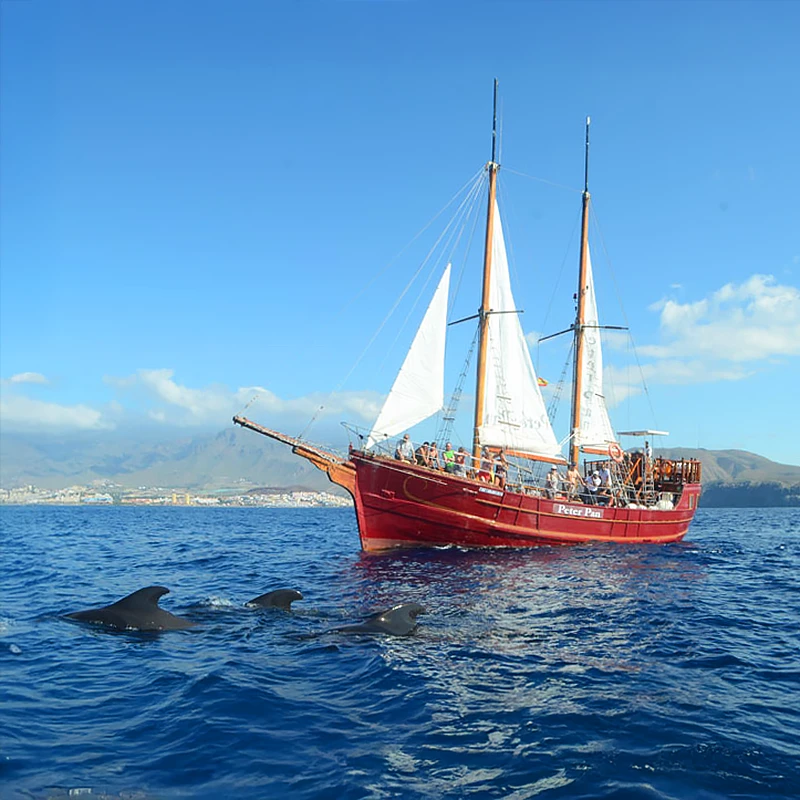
<point x="543" y="180"/>
<point x="452" y="230"/>
<point x="471" y="186"/>
<point x="445" y="431"/>
<point x="469" y="183"/>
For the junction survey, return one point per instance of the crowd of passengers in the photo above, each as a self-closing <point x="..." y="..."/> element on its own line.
<point x="594" y="489"/>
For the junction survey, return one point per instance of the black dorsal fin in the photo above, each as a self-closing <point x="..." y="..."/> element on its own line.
<point x="149" y="596"/>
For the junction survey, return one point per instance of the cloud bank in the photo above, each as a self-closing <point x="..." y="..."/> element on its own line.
<point x="154" y="395"/>
<point x="728" y="336"/>
<point x="755" y="320"/>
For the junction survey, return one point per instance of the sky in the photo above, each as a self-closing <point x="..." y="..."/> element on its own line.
<point x="209" y="208"/>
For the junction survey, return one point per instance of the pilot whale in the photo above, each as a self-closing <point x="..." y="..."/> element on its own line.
<point x="279" y="598"/>
<point x="400" y="620"/>
<point x="138" y="611"/>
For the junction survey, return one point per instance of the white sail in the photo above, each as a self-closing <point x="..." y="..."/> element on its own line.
<point x="418" y="389"/>
<point x="595" y="429"/>
<point x="514" y="415"/>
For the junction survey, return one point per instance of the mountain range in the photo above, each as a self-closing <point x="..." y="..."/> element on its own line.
<point x="239" y="459"/>
<point x="231" y="459"/>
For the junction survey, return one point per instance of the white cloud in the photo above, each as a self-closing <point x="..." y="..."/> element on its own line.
<point x="532" y="338"/>
<point x="155" y="395"/>
<point x="616" y="340"/>
<point x="200" y="404"/>
<point x="28" y="377"/>
<point x="751" y="321"/>
<point x="170" y="402"/>
<point x="724" y="337"/>
<point x="17" y="411"/>
<point x="619" y="383"/>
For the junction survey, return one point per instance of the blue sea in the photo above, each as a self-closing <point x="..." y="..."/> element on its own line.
<point x="581" y="672"/>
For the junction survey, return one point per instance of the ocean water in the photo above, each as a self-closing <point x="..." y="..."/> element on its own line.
<point x="584" y="672"/>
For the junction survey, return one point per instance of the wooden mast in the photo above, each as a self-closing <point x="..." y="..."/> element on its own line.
<point x="574" y="447"/>
<point x="483" y="314"/>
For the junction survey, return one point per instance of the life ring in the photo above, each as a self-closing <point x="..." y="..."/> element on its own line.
<point x="615" y="451"/>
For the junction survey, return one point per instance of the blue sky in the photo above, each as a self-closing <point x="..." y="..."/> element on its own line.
<point x="197" y="198"/>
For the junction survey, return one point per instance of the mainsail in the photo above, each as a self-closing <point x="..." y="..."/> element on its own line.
<point x="514" y="415"/>
<point x="595" y="431"/>
<point x="418" y="389"/>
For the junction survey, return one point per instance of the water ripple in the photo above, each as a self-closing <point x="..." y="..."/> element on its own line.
<point x="585" y="672"/>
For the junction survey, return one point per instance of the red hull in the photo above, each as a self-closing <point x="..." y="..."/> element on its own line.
<point x="402" y="505"/>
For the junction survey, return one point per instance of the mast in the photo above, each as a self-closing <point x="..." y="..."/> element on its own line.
<point x="483" y="313"/>
<point x="574" y="447"/>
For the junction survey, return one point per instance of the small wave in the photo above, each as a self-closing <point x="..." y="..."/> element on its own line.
<point x="215" y="601"/>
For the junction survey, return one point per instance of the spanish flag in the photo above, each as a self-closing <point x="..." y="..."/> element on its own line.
<point x="542" y="381"/>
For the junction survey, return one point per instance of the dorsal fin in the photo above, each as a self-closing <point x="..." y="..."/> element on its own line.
<point x="278" y="598"/>
<point x="147" y="597"/>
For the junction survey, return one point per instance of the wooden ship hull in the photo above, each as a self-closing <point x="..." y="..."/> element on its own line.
<point x="403" y="505"/>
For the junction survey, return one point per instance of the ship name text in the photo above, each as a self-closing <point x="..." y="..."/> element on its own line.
<point x="579" y="511"/>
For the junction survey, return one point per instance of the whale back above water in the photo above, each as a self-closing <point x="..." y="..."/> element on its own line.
<point x="138" y="611"/>
<point x="400" y="620"/>
<point x="279" y="598"/>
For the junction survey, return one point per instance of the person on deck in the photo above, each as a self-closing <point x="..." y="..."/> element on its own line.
<point x="592" y="487"/>
<point x="405" y="450"/>
<point x="449" y="458"/>
<point x="500" y="468"/>
<point x="574" y="482"/>
<point x="485" y="468"/>
<point x="604" y="496"/>
<point x="552" y="482"/>
<point x="460" y="467"/>
<point x="422" y="455"/>
<point x="433" y="456"/>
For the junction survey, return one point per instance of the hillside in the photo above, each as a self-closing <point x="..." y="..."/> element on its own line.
<point x="240" y="459"/>
<point x="232" y="459"/>
<point x="738" y="479"/>
<point x="735" y="466"/>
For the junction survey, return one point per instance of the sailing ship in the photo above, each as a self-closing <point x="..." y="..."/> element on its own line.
<point x="408" y="502"/>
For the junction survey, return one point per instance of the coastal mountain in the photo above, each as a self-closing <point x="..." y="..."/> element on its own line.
<point x="738" y="479"/>
<point x="231" y="459"/>
<point x="735" y="466"/>
<point x="238" y="459"/>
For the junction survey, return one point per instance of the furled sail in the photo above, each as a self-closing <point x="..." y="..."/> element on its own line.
<point x="418" y="389"/>
<point x="514" y="415"/>
<point x="595" y="430"/>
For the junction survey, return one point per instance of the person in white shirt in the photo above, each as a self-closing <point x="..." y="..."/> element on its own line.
<point x="405" y="449"/>
<point x="552" y="483"/>
<point x="604" y="496"/>
<point x="593" y="485"/>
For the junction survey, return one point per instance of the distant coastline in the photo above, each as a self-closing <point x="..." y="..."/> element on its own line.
<point x="768" y="494"/>
<point x="170" y="498"/>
